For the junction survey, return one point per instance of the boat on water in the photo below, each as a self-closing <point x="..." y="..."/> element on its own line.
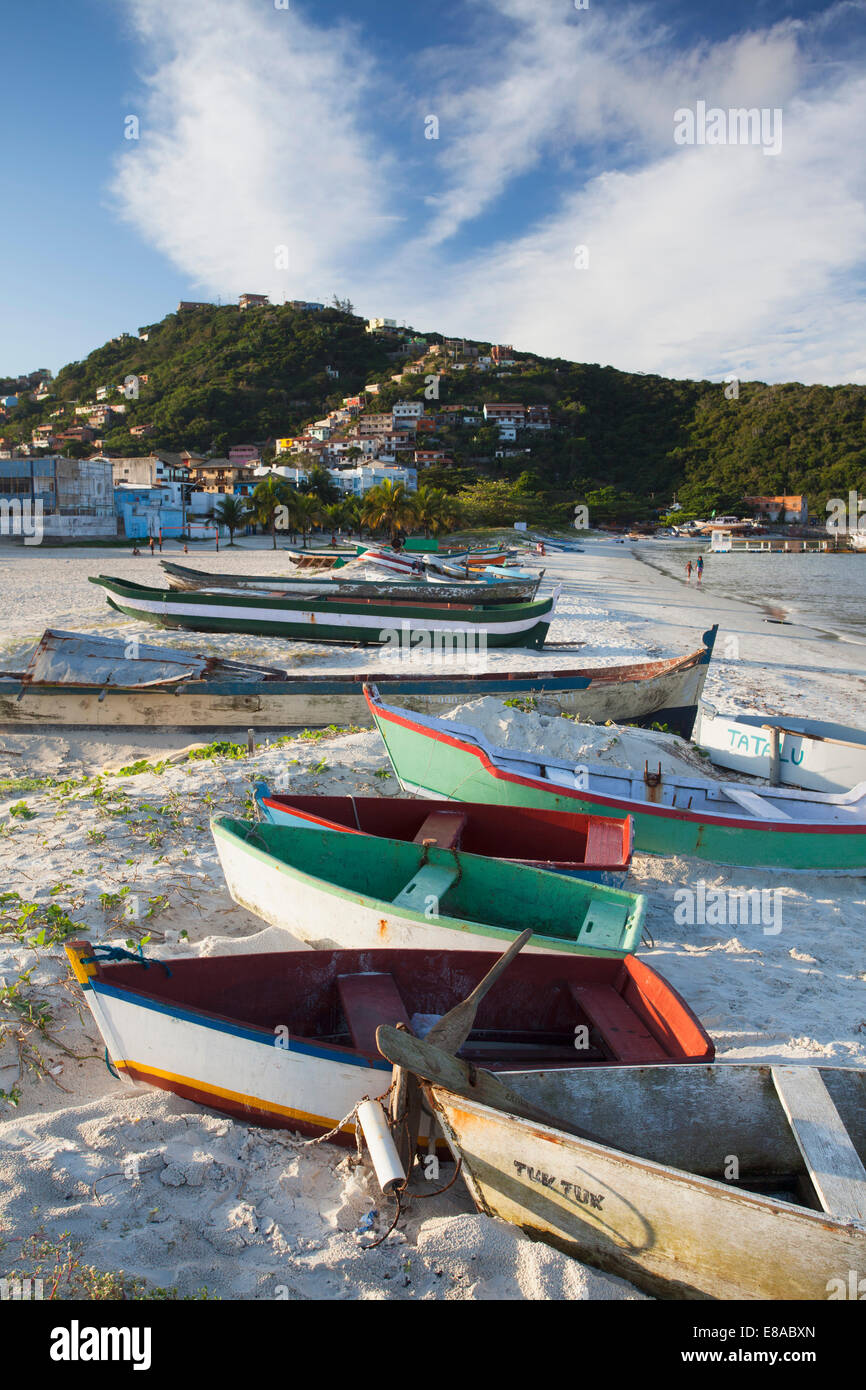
<point x="629" y="1167"/>
<point x="368" y="621"/>
<point x="592" y="847"/>
<point x="421" y="587"/>
<point x="724" y="822"/>
<point x="73" y="691"/>
<point x="813" y="754"/>
<point x="386" y="892"/>
<point x="288" y="1039"/>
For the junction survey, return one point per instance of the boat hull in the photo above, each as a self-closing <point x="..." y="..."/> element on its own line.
<point x="817" y="757"/>
<point x="560" y="844"/>
<point x="432" y="763"/>
<point x="183" y="1034"/>
<point x="339" y="620"/>
<point x="647" y="691"/>
<point x="674" y="1233"/>
<point x="326" y="916"/>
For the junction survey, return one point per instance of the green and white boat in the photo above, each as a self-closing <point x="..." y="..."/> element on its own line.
<point x="724" y="822"/>
<point x="370" y="621"/>
<point x="373" y="892"/>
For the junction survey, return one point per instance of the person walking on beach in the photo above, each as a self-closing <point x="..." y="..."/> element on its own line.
<point x="688" y="572"/>
<point x="151" y="545"/>
<point x="700" y="567"/>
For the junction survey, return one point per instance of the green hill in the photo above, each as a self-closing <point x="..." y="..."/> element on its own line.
<point x="218" y="376"/>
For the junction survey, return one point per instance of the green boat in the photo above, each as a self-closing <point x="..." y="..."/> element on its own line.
<point x="723" y="822"/>
<point x="443" y="626"/>
<point x="372" y="892"/>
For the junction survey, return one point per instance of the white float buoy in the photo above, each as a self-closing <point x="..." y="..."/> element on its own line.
<point x="383" y="1152"/>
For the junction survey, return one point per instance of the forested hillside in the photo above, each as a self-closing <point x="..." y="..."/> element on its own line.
<point x="218" y="376"/>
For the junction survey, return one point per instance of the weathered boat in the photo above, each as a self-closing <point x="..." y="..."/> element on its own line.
<point x="74" y="692"/>
<point x="384" y="892"/>
<point x="288" y="1039"/>
<point x="725" y="1181"/>
<point x="338" y="619"/>
<point x="414" y="590"/>
<point x="592" y="847"/>
<point x="812" y="754"/>
<point x="319" y="559"/>
<point x="725" y="822"/>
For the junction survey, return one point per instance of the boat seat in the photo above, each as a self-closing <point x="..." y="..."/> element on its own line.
<point x="603" y="925"/>
<point x="754" y="804"/>
<point x="834" y="1165"/>
<point x="622" y="1033"/>
<point x="443" y="829"/>
<point x="367" y="1001"/>
<point x="430" y="881"/>
<point x="604" y="842"/>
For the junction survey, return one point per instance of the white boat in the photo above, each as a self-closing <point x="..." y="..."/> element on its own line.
<point x="857" y="540"/>
<point x="288" y="1038"/>
<point x="813" y="754"/>
<point x="727" y="1181"/>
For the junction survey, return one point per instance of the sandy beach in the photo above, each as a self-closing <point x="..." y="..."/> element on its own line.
<point x="185" y="1198"/>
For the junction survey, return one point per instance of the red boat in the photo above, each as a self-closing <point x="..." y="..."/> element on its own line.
<point x="289" y="1039"/>
<point x="593" y="847"/>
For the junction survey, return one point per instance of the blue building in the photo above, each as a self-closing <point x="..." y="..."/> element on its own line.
<point x="145" y="511"/>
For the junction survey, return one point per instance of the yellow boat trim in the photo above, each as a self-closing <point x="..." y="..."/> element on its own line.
<point x="237" y="1096"/>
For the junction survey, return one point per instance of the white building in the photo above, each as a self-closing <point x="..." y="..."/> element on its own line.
<point x="356" y="481"/>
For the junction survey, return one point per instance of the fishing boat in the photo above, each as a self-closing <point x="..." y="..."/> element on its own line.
<point x="422" y="587"/>
<point x="319" y="559"/>
<point x="73" y="692"/>
<point x="386" y="892"/>
<point x="288" y="1039"/>
<point x="724" y="822"/>
<point x="591" y="847"/>
<point x="812" y="754"/>
<point x="723" y="1181"/>
<point x="339" y="619"/>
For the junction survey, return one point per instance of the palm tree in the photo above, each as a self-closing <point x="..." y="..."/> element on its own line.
<point x="271" y="494"/>
<point x="308" y="510"/>
<point x="232" y="512"/>
<point x="390" y="506"/>
<point x="322" y="484"/>
<point x="436" y="510"/>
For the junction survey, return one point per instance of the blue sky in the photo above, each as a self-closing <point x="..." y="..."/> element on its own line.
<point x="303" y="127"/>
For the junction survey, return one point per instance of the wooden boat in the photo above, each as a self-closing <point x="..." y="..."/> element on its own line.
<point x="725" y="822"/>
<point x="288" y="1039"/>
<point x="631" y="1168"/>
<point x="319" y="559"/>
<point x="338" y="619"/>
<point x="808" y="753"/>
<point x="413" y="590"/>
<point x="385" y="892"/>
<point x="591" y="847"/>
<point x="76" y="694"/>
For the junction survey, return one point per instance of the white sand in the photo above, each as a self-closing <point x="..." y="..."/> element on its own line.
<point x="252" y="1213"/>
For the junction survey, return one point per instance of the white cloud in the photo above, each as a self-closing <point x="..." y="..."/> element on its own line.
<point x="259" y="131"/>
<point x="252" y="138"/>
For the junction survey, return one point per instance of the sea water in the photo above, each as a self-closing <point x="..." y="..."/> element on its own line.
<point x="818" y="589"/>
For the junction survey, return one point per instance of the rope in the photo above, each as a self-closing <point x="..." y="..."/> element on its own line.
<point x="114" y="1073"/>
<point x="118" y="953"/>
